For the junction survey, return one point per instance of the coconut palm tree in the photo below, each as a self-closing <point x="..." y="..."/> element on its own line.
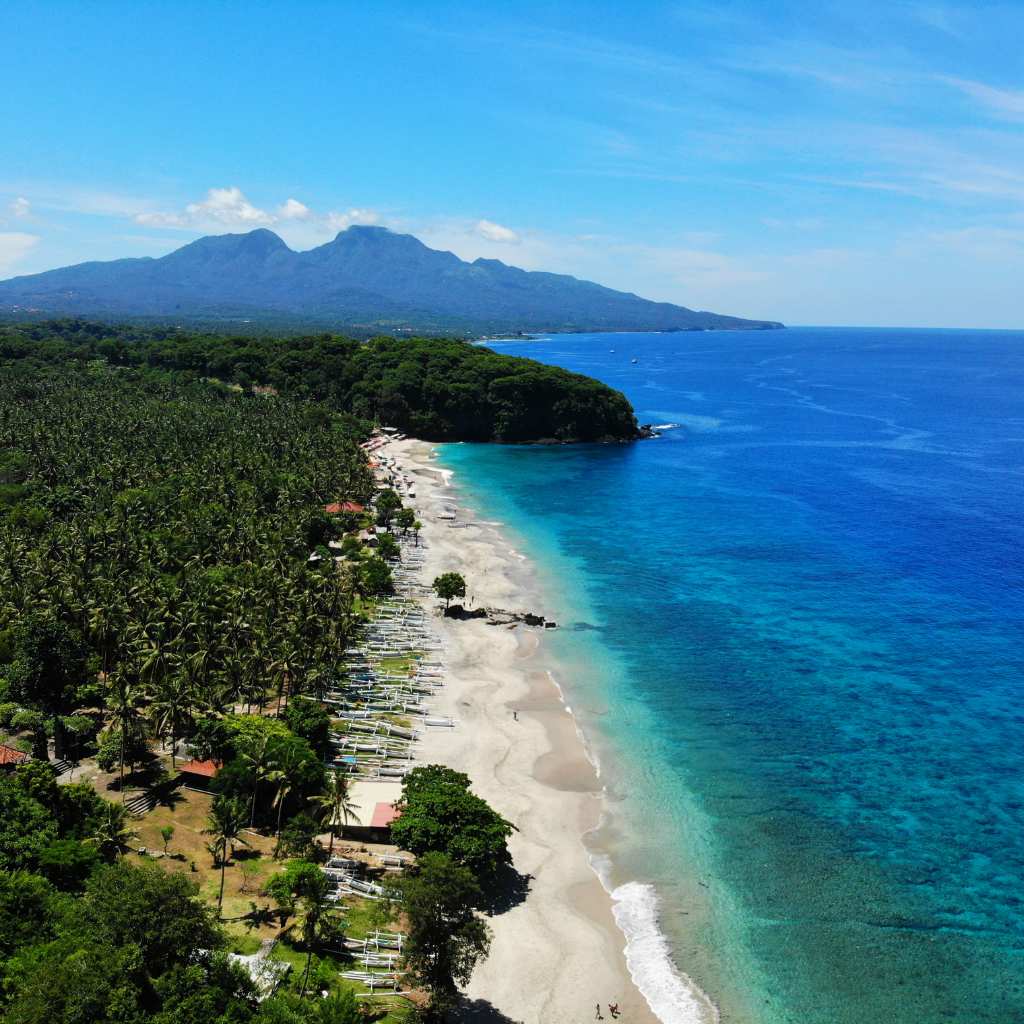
<point x="173" y="705"/>
<point x="257" y="763"/>
<point x="314" y="903"/>
<point x="335" y="803"/>
<point x="124" y="704"/>
<point x="280" y="774"/>
<point x="225" y="824"/>
<point x="111" y="833"/>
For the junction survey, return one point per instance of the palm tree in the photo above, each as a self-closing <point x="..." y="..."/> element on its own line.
<point x="335" y="803"/>
<point x="313" y="897"/>
<point x="281" y="773"/>
<point x="111" y="832"/>
<point x="225" y="824"/>
<point x="172" y="708"/>
<point x="256" y="761"/>
<point x="124" y="710"/>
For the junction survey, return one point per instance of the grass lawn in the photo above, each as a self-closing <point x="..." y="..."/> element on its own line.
<point x="246" y="873"/>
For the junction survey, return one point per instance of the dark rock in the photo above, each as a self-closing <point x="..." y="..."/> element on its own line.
<point x="456" y="611"/>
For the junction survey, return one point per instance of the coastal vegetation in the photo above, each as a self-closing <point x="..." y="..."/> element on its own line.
<point x="177" y="594"/>
<point x="434" y="388"/>
<point x="449" y="585"/>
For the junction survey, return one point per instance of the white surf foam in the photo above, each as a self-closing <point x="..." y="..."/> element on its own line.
<point x="672" y="997"/>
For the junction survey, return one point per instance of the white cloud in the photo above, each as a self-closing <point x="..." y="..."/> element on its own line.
<point x="14" y="245"/>
<point x="221" y="207"/>
<point x="496" y="232"/>
<point x="228" y="206"/>
<point x="292" y="209"/>
<point x="340" y="221"/>
<point x="20" y="208"/>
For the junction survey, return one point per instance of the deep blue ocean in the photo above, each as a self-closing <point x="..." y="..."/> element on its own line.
<point x="793" y="634"/>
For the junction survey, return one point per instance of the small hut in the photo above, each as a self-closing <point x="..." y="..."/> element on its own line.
<point x="198" y="774"/>
<point x="11" y="758"/>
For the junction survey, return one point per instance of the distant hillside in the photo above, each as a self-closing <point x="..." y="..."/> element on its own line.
<point x="439" y="389"/>
<point x="368" y="277"/>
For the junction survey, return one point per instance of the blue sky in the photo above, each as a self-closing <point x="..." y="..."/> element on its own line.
<point x="853" y="163"/>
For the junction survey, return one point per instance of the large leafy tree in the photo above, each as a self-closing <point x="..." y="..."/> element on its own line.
<point x="449" y="585"/>
<point x="48" y="666"/>
<point x="446" y="937"/>
<point x="439" y="813"/>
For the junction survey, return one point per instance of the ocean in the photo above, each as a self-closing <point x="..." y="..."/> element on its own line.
<point x="792" y="632"/>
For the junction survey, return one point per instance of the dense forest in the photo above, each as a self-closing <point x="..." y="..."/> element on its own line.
<point x="157" y="585"/>
<point x="437" y="389"/>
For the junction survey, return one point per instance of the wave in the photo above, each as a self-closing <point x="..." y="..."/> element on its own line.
<point x="672" y="997"/>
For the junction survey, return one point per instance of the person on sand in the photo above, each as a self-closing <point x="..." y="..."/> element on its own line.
<point x="613" y="1009"/>
<point x="515" y="715"/>
<point x="597" y="1013"/>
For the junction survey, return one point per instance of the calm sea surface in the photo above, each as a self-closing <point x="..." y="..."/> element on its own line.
<point x="794" y="636"/>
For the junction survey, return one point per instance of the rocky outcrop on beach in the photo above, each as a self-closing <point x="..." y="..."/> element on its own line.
<point x="499" y="616"/>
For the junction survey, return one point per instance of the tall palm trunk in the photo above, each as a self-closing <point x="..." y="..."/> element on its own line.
<point x="305" y="974"/>
<point x="280" y="809"/>
<point x="122" y="762"/>
<point x="223" y="866"/>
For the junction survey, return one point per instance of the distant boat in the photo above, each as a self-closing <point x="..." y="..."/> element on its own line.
<point x="634" y="360"/>
<point x="611" y="350"/>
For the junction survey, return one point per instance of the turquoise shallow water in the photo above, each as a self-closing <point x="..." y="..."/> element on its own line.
<point x="793" y="634"/>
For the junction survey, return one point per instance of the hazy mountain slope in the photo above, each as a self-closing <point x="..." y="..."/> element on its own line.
<point x="365" y="275"/>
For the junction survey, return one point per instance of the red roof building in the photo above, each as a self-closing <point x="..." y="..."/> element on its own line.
<point x="337" y="507"/>
<point x="11" y="758"/>
<point x="204" y="769"/>
<point x="383" y="815"/>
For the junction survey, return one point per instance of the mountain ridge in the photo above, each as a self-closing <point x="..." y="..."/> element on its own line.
<point x="365" y="275"/>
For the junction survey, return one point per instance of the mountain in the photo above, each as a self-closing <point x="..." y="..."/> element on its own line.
<point x="366" y="276"/>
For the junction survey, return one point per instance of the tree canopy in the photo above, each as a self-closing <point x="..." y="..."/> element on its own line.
<point x="439" y="389"/>
<point x="440" y="814"/>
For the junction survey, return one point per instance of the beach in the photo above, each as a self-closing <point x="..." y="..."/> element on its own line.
<point x="557" y="952"/>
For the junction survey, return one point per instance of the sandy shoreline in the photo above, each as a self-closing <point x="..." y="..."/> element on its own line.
<point x="558" y="951"/>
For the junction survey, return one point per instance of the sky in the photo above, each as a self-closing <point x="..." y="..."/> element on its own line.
<point x="816" y="163"/>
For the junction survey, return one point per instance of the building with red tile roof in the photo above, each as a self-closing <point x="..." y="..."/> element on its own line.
<point x="337" y="507"/>
<point x="199" y="773"/>
<point x="11" y="758"/>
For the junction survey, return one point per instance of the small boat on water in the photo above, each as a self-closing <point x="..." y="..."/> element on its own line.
<point x="634" y="360"/>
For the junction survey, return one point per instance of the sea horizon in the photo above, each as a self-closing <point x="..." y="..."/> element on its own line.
<point x="769" y="668"/>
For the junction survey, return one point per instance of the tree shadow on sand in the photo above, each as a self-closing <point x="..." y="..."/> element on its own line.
<point x="507" y="889"/>
<point x="478" y="1011"/>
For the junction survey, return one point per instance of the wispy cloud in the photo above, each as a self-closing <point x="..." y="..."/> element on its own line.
<point x="496" y="232"/>
<point x="20" y="208"/>
<point x="230" y="208"/>
<point x="1003" y="103"/>
<point x="339" y="221"/>
<point x="14" y="246"/>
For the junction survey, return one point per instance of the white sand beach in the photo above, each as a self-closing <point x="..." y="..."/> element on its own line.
<point x="557" y="952"/>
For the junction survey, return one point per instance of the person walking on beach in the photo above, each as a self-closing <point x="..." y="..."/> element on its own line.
<point x="613" y="1009"/>
<point x="597" y="1013"/>
<point x="515" y="717"/>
